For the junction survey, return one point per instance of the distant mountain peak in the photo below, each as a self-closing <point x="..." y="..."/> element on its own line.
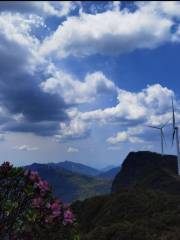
<point x="107" y="168"/>
<point x="76" y="168"/>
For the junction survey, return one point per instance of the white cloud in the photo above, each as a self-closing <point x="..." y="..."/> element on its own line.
<point x="72" y="150"/>
<point x="25" y="148"/>
<point x="17" y="43"/>
<point x="74" y="91"/>
<point x="151" y="105"/>
<point x="109" y="32"/>
<point x="75" y="129"/>
<point x="18" y="28"/>
<point x="116" y="5"/>
<point x="127" y="136"/>
<point x="45" y="8"/>
<point x="167" y="8"/>
<point x="134" y="106"/>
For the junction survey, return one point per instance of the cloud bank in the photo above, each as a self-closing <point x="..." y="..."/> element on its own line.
<point x="37" y="93"/>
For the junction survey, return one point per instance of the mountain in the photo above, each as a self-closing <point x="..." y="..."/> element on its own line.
<point x="148" y="170"/>
<point x="110" y="174"/>
<point x="76" y="168"/>
<point x="129" y="215"/>
<point x="71" y="186"/>
<point x="107" y="168"/>
<point x="143" y="204"/>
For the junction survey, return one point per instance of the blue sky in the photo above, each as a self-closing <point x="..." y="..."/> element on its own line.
<point x="80" y="81"/>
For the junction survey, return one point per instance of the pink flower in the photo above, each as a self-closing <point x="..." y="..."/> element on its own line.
<point x="43" y="185"/>
<point x="37" y="202"/>
<point x="34" y="177"/>
<point x="56" y="213"/>
<point x="48" y="205"/>
<point x="55" y="208"/>
<point x="68" y="217"/>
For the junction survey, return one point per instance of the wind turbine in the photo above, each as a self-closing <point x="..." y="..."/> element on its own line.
<point x="162" y="136"/>
<point x="176" y="133"/>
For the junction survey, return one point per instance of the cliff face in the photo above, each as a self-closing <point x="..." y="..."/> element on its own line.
<point x="148" y="170"/>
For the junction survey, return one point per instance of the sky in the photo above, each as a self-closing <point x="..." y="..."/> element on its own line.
<point x="81" y="81"/>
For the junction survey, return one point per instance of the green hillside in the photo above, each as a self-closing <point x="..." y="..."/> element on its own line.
<point x="71" y="186"/>
<point x="144" y="203"/>
<point x="130" y="215"/>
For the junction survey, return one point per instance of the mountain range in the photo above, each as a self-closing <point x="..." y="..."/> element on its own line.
<point x="72" y="181"/>
<point x="144" y="203"/>
<point x="76" y="168"/>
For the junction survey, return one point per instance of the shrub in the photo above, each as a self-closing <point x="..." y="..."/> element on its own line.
<point x="28" y="210"/>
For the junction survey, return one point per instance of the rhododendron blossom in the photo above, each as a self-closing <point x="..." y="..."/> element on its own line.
<point x="33" y="176"/>
<point x="68" y="217"/>
<point x="27" y="207"/>
<point x="37" y="202"/>
<point x="43" y="185"/>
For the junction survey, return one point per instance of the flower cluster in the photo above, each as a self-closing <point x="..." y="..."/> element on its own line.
<point x="55" y="209"/>
<point x="43" y="187"/>
<point x="37" y="202"/>
<point x="38" y="183"/>
<point x="27" y="205"/>
<point x="33" y="176"/>
<point x="68" y="217"/>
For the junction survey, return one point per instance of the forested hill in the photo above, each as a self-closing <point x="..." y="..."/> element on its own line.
<point x="144" y="203"/>
<point x="149" y="170"/>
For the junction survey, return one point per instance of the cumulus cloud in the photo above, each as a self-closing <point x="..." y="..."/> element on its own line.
<point x="75" y="91"/>
<point x="25" y="148"/>
<point x="167" y="8"/>
<point x="45" y="8"/>
<point x="74" y="129"/>
<point x="20" y="65"/>
<point x="152" y="100"/>
<point x="72" y="150"/>
<point x="36" y="94"/>
<point x="127" y="136"/>
<point x="111" y="32"/>
<point x="151" y="105"/>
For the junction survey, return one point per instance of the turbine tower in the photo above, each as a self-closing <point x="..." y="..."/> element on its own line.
<point x="176" y="133"/>
<point x="162" y="136"/>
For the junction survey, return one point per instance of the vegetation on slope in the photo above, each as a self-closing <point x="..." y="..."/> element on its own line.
<point x="130" y="215"/>
<point x="71" y="186"/>
<point x="144" y="203"/>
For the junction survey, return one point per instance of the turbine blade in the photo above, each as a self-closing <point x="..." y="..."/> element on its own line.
<point x="174" y="122"/>
<point x="153" y="127"/>
<point x="165" y="123"/>
<point x="163" y="136"/>
<point x="173" y="136"/>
